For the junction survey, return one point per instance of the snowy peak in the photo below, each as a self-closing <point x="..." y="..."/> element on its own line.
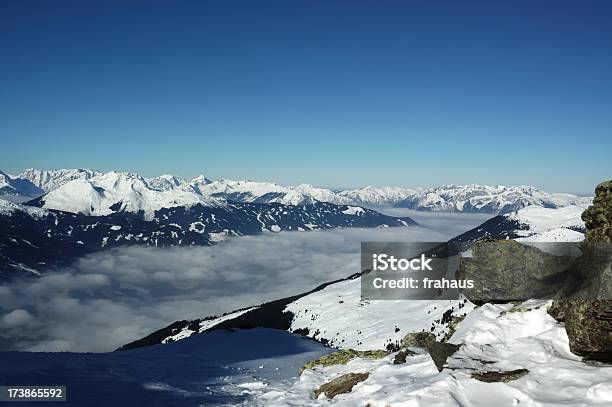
<point x="138" y="193"/>
<point x="375" y="196"/>
<point x="48" y="180"/>
<point x="16" y="188"/>
<point x="121" y="192"/>
<point x="485" y="198"/>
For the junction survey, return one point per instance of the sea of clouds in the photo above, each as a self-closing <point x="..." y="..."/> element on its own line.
<point x="110" y="298"/>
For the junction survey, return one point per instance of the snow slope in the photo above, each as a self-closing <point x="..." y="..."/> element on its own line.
<point x="494" y="338"/>
<point x="215" y="369"/>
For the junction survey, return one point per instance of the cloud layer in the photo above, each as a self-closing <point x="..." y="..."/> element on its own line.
<point x="108" y="299"/>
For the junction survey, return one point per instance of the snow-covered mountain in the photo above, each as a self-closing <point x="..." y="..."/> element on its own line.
<point x="48" y="180"/>
<point x="531" y="224"/>
<point x="17" y="189"/>
<point x="93" y="192"/>
<point x="112" y="192"/>
<point x="36" y="239"/>
<point x="487" y="199"/>
<point x="374" y="196"/>
<point x="268" y="192"/>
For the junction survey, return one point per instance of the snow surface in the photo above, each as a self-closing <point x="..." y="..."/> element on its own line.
<point x="541" y="220"/>
<point x="339" y="315"/>
<point x="494" y="338"/>
<point x="219" y="368"/>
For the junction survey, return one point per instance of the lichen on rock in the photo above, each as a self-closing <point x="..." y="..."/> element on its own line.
<point x="589" y="323"/>
<point x="343" y="357"/>
<point x="418" y="340"/>
<point x="598" y="217"/>
<point x="506" y="271"/>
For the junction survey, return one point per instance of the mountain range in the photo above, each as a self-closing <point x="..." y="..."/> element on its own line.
<point x="38" y="239"/>
<point x="95" y="193"/>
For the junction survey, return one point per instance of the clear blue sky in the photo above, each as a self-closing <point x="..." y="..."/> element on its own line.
<point x="338" y="94"/>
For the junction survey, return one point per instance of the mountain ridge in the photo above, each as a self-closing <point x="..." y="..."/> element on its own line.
<point x="93" y="192"/>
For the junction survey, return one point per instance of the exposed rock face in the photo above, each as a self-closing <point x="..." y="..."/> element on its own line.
<point x="401" y="356"/>
<point x="589" y="328"/>
<point x="589" y="323"/>
<point x="341" y="385"/>
<point x="598" y="217"/>
<point x="505" y="271"/>
<point x="418" y="340"/>
<point x="505" y="377"/>
<point x="440" y="351"/>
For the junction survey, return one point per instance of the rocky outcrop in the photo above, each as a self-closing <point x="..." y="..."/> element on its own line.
<point x="589" y="328"/>
<point x="506" y="270"/>
<point x="341" y="385"/>
<point x="400" y="357"/>
<point x="418" y="340"/>
<point x="598" y="217"/>
<point x="440" y="352"/>
<point x="589" y="323"/>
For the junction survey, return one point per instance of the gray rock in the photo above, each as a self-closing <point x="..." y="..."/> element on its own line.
<point x="504" y="377"/>
<point x="340" y="385"/>
<point x="401" y="356"/>
<point x="506" y="271"/>
<point x="589" y="323"/>
<point x="418" y="340"/>
<point x="440" y="352"/>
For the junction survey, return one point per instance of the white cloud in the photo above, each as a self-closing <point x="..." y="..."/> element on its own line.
<point x="16" y="318"/>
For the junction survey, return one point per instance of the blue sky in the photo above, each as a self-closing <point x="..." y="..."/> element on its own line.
<point x="333" y="93"/>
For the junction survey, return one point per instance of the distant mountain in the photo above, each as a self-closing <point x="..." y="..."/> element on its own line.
<point x="531" y="224"/>
<point x="48" y="180"/>
<point x="17" y="189"/>
<point x="34" y="239"/>
<point x="113" y="192"/>
<point x="486" y="199"/>
<point x="374" y="196"/>
<point x="93" y="193"/>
